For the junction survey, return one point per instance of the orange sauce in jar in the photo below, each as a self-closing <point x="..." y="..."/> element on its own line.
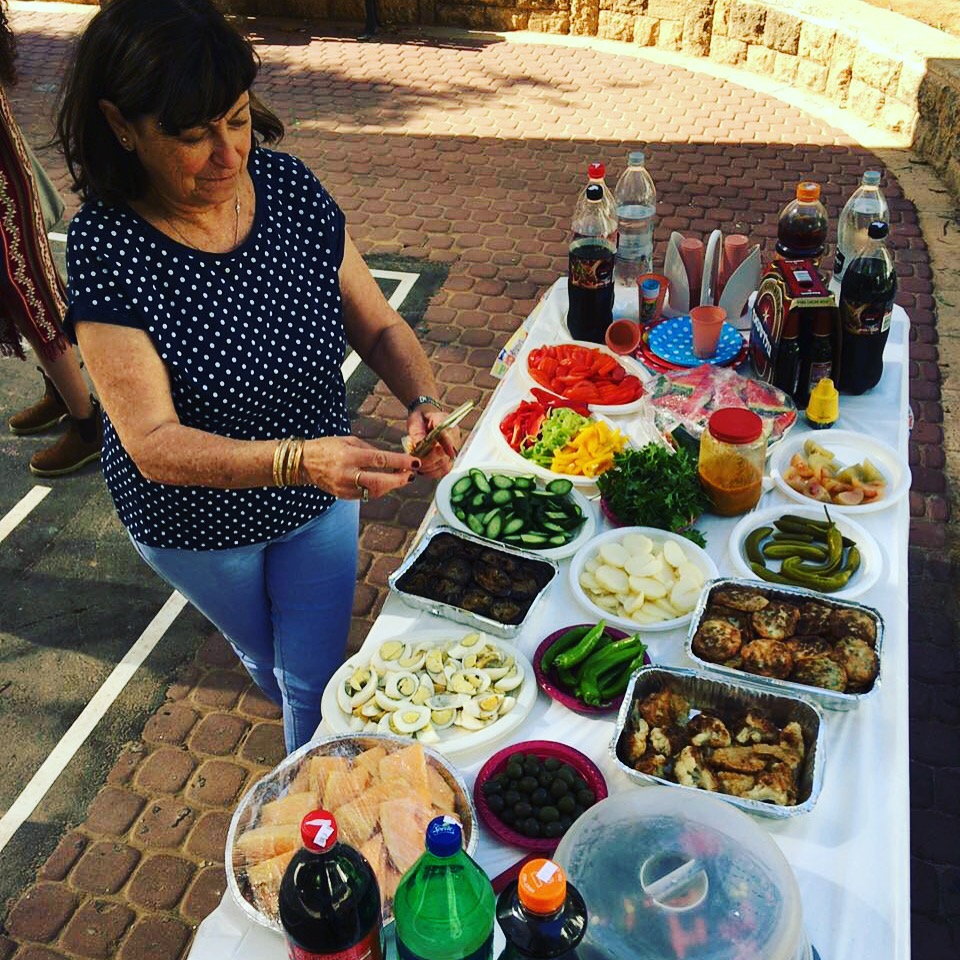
<point x="732" y="483"/>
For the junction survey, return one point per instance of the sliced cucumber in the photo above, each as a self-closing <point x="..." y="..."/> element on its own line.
<point x="462" y="487"/>
<point x="460" y="514"/>
<point x="560" y="486"/>
<point x="501" y="497"/>
<point x="480" y="480"/>
<point x="489" y="515"/>
<point x="533" y="539"/>
<point x="501" y="481"/>
<point x="478" y="500"/>
<point x="475" y="524"/>
<point x="494" y="527"/>
<point x="524" y="483"/>
<point x="513" y="525"/>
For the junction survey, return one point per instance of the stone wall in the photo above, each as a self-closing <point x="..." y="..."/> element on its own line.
<point x="938" y="130"/>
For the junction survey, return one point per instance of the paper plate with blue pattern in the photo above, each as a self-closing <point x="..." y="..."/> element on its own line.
<point x="672" y="340"/>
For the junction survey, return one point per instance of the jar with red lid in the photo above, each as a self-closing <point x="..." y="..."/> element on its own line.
<point x="733" y="449"/>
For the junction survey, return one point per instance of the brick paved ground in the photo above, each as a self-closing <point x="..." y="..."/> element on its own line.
<point x="470" y="151"/>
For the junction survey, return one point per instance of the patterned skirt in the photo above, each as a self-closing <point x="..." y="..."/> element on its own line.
<point x="32" y="298"/>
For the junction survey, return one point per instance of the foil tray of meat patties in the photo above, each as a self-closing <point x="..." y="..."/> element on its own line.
<point x="828" y="632"/>
<point x="759" y="714"/>
<point x="472" y="581"/>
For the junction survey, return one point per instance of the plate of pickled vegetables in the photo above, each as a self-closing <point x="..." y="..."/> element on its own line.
<point x="452" y="690"/>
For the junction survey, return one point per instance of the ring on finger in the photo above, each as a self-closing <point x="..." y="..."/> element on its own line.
<point x="364" y="492"/>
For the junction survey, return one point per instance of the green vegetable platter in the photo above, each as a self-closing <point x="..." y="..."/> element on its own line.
<point x="794" y="545"/>
<point x="587" y="667"/>
<point x="518" y="509"/>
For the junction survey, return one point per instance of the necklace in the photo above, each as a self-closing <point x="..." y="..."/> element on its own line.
<point x="236" y="227"/>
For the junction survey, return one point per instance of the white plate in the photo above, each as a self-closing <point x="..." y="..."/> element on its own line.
<point x="454" y="740"/>
<point x="631" y="366"/>
<point x="871" y="557"/>
<point x="695" y="554"/>
<point x="849" y="448"/>
<point x="553" y="553"/>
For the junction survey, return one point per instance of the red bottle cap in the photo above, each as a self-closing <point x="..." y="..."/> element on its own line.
<point x="542" y="886"/>
<point x="735" y="425"/>
<point x="596" y="171"/>
<point x="318" y="830"/>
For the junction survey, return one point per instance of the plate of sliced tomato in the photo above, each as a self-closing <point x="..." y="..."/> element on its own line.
<point x="587" y="373"/>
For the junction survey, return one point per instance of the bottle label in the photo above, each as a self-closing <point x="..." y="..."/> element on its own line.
<point x="591" y="274"/>
<point x="819" y="371"/>
<point x="369" y="948"/>
<point x="885" y="322"/>
<point x="867" y="319"/>
<point x="484" y="953"/>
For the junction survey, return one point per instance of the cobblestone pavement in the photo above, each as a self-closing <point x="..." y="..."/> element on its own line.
<point x="470" y="151"/>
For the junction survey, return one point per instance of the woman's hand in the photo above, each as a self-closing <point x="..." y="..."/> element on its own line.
<point x="348" y="466"/>
<point x="437" y="461"/>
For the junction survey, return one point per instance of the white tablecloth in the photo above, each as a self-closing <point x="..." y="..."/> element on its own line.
<point x="851" y="853"/>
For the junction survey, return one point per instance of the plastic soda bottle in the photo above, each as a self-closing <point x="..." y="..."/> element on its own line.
<point x="802" y="228"/>
<point x="866" y="303"/>
<point x="541" y="914"/>
<point x="636" y="198"/>
<point x="865" y="205"/>
<point x="596" y="174"/>
<point x="444" y="905"/>
<point x="590" y="276"/>
<point x="329" y="898"/>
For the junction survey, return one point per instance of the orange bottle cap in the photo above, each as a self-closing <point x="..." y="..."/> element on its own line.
<point x="542" y="886"/>
<point x="807" y="191"/>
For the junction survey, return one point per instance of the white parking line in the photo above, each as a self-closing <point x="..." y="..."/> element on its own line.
<point x="92" y="714"/>
<point x="21" y="510"/>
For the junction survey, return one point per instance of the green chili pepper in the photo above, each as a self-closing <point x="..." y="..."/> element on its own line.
<point x="805" y="551"/>
<point x="619" y="653"/>
<point x="764" y="574"/>
<point x="751" y="545"/>
<point x="824" y="584"/>
<point x="615" y="682"/>
<point x="832" y="559"/>
<point x="573" y="656"/>
<point x="781" y="537"/>
<point x="568" y="679"/>
<point x="563" y="642"/>
<point x="792" y="524"/>
<point x="853" y="561"/>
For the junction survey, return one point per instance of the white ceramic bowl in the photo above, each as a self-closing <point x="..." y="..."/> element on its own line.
<point x="871" y="557"/>
<point x="849" y="448"/>
<point x="454" y="741"/>
<point x="631" y="367"/>
<point x="553" y="553"/>
<point x="696" y="555"/>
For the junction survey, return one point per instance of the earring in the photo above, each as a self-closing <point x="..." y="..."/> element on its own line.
<point x="126" y="144"/>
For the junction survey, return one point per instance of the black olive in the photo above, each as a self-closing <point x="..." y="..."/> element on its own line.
<point x="522" y="809"/>
<point x="558" y="788"/>
<point x="552" y="764"/>
<point x="548" y="814"/>
<point x="531" y="766"/>
<point x="496" y="802"/>
<point x="527" y="784"/>
<point x="578" y="783"/>
<point x="552" y="829"/>
<point x="506" y="816"/>
<point x="586" y="797"/>
<point x="531" y="827"/>
<point x="492" y="786"/>
<point x="520" y="758"/>
<point x="545" y="778"/>
<point x="510" y="797"/>
<point x="566" y="774"/>
<point x="566" y="804"/>
<point x="514" y="770"/>
<point x="539" y="797"/>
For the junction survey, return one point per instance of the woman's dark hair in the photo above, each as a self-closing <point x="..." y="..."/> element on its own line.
<point x="8" y="49"/>
<point x="177" y="60"/>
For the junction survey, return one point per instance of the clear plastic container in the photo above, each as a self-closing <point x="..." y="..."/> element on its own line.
<point x="670" y="874"/>
<point x="733" y="450"/>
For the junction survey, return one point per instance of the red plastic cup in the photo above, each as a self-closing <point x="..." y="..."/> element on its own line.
<point x="623" y="336"/>
<point x="707" y="322"/>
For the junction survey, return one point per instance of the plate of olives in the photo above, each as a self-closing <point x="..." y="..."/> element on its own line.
<point x="529" y="794"/>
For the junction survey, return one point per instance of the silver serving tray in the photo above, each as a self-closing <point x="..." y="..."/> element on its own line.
<point x="831" y="699"/>
<point x="711" y="693"/>
<point x="458" y="614"/>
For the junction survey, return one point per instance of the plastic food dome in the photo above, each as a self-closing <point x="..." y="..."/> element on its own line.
<point x="670" y="875"/>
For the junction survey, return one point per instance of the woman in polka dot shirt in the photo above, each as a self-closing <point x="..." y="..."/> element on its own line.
<point x="213" y="290"/>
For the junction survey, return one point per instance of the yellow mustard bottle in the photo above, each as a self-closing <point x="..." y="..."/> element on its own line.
<point x="823" y="408"/>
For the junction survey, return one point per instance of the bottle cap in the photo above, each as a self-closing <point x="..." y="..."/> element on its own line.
<point x="596" y="171"/>
<point x="824" y="403"/>
<point x="542" y="886"/>
<point x="878" y="230"/>
<point x="636" y="158"/>
<point x="871" y="178"/>
<point x="735" y="425"/>
<point x="650" y="288"/>
<point x="594" y="192"/>
<point x="444" y="836"/>
<point x="808" y="191"/>
<point x="318" y="830"/>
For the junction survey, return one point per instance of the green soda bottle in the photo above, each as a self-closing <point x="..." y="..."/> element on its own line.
<point x="445" y="904"/>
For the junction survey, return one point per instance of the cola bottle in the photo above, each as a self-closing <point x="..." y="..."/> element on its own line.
<point x="590" y="276"/>
<point x="866" y="302"/>
<point x="802" y="228"/>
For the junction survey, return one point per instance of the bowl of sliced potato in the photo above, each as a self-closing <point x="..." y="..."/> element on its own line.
<point x="640" y="578"/>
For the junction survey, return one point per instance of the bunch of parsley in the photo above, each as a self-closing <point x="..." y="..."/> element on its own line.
<point x="655" y="487"/>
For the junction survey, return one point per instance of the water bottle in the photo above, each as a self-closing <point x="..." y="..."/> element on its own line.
<point x="596" y="174"/>
<point x="590" y="275"/>
<point x="330" y="898"/>
<point x="541" y="914"/>
<point x="866" y="303"/>
<point x="865" y="205"/>
<point x="444" y="905"/>
<point x="636" y="198"/>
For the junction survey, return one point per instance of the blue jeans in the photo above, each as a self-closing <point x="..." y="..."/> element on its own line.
<point x="284" y="605"/>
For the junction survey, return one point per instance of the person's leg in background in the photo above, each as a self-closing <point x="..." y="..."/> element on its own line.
<point x="372" y="23"/>
<point x="311" y="577"/>
<point x="229" y="588"/>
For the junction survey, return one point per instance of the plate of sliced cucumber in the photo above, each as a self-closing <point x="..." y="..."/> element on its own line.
<point x="517" y="509"/>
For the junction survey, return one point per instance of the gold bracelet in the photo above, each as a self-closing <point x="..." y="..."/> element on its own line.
<point x="292" y="474"/>
<point x="277" y="477"/>
<point x="298" y="472"/>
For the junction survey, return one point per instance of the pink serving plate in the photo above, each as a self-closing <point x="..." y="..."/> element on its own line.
<point x="542" y="749"/>
<point x="549" y="684"/>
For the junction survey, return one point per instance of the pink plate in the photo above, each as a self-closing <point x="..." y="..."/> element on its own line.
<point x="549" y="683"/>
<point x="542" y="749"/>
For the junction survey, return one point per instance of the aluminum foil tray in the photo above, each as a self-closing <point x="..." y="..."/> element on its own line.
<point x="712" y="693"/>
<point x="831" y="699"/>
<point x="547" y="568"/>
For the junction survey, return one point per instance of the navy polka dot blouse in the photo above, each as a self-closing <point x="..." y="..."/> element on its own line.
<point x="252" y="340"/>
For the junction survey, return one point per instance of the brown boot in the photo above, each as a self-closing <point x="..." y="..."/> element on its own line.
<point x="47" y="412"/>
<point x="78" y="446"/>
